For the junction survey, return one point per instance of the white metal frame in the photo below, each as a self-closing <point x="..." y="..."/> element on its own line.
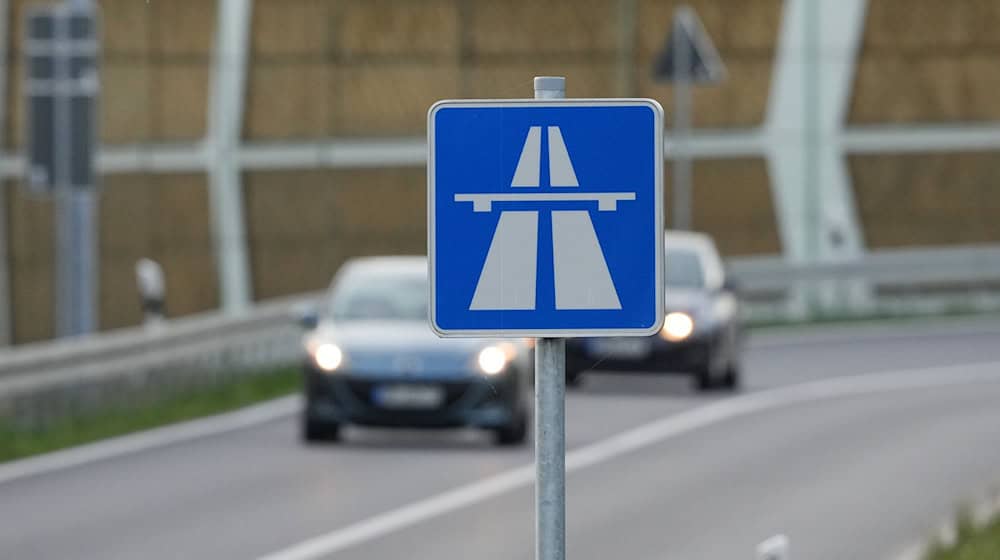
<point x="225" y="128"/>
<point x="224" y="156"/>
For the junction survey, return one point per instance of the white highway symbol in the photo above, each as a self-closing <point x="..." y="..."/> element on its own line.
<point x="508" y="279"/>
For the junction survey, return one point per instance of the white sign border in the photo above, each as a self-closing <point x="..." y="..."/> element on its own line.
<point x="659" y="218"/>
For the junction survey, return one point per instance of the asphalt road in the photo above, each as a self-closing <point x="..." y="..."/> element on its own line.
<point x="848" y="470"/>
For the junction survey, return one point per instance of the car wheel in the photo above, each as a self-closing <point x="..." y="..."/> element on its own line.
<point x="703" y="380"/>
<point x="574" y="378"/>
<point x="315" y="431"/>
<point x="733" y="379"/>
<point x="514" y="433"/>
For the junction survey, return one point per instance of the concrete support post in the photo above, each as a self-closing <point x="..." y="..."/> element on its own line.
<point x="812" y="84"/>
<point x="226" y="106"/>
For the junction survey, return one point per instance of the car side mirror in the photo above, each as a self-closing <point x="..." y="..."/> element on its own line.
<point x="307" y="317"/>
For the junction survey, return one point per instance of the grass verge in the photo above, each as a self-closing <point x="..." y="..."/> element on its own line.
<point x="972" y="542"/>
<point x="16" y="443"/>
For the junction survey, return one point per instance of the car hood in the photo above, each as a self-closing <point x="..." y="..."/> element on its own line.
<point x="685" y="299"/>
<point x="407" y="349"/>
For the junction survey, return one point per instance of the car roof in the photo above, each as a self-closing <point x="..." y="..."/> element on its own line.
<point x="407" y="264"/>
<point x="704" y="246"/>
<point x="688" y="239"/>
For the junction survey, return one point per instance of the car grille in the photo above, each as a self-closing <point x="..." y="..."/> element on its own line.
<point x="361" y="390"/>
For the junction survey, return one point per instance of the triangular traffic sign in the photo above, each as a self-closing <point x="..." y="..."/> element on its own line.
<point x="703" y="62"/>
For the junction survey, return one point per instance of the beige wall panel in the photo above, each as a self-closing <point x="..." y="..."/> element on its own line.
<point x="165" y="218"/>
<point x="126" y="27"/>
<point x="181" y="219"/>
<point x="30" y="225"/>
<point x="31" y="288"/>
<point x="303" y="224"/>
<point x="740" y="101"/>
<point x="894" y="88"/>
<point x="528" y="27"/>
<point x="180" y="100"/>
<point x="290" y="27"/>
<point x="919" y="24"/>
<point x="31" y="239"/>
<point x="745" y="44"/>
<point x="928" y="199"/>
<point x="286" y="204"/>
<point x="125" y="214"/>
<point x="732" y="24"/>
<point x="388" y="99"/>
<point x="183" y="27"/>
<point x="119" y="303"/>
<point x="981" y="73"/>
<point x="732" y="202"/>
<point x="382" y="201"/>
<point x="397" y="27"/>
<point x="281" y="269"/>
<point x="15" y="123"/>
<point x="192" y="285"/>
<point x="293" y="221"/>
<point x="289" y="100"/>
<point x="928" y="61"/>
<point x="126" y="102"/>
<point x="515" y="79"/>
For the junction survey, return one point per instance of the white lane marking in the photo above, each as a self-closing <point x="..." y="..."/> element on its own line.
<point x="159" y="437"/>
<point x="632" y="440"/>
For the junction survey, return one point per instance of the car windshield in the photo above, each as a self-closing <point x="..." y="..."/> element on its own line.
<point x="380" y="295"/>
<point x="684" y="269"/>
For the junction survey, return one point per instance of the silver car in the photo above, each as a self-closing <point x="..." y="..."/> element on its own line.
<point x="372" y="359"/>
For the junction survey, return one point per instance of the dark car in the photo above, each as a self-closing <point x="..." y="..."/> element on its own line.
<point x="701" y="335"/>
<point x="372" y="360"/>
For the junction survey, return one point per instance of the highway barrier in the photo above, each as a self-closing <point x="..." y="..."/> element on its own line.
<point x="45" y="381"/>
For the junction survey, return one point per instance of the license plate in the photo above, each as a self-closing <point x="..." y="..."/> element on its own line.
<point x="629" y="348"/>
<point x="408" y="396"/>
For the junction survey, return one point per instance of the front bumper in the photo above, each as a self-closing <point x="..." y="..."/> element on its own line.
<point x="689" y="356"/>
<point x="468" y="401"/>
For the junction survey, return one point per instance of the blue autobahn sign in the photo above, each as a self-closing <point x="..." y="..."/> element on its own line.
<point x="545" y="217"/>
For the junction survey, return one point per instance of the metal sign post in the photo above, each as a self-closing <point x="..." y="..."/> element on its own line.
<point x="550" y="416"/>
<point x="545" y="221"/>
<point x="682" y="124"/>
<point x="61" y="89"/>
<point x="689" y="57"/>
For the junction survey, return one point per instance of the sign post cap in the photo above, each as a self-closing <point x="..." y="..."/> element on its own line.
<point x="550" y="83"/>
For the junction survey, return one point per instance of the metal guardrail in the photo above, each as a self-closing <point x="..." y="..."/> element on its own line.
<point x="896" y="282"/>
<point x="43" y="381"/>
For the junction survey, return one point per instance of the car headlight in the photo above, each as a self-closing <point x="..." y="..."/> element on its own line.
<point x="494" y="359"/>
<point x="327" y="356"/>
<point x="677" y="326"/>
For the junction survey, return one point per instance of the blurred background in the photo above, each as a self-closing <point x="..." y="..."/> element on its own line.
<point x="846" y="163"/>
<point x="251" y="147"/>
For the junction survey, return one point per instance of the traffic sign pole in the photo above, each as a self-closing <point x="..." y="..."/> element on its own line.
<point x="550" y="416"/>
<point x="62" y="86"/>
<point x="682" y="125"/>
